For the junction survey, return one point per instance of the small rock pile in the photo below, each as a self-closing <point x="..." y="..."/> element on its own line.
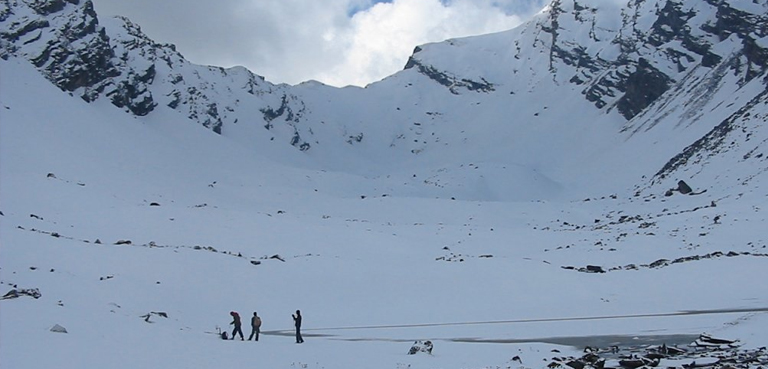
<point x="421" y="346"/>
<point x="706" y="352"/>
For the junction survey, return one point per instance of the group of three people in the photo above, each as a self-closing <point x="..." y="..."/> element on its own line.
<point x="256" y="326"/>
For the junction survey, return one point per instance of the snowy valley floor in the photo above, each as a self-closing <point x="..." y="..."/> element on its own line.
<point x="114" y="221"/>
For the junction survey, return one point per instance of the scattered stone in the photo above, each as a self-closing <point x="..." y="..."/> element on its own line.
<point x="58" y="329"/>
<point x="154" y="204"/>
<point x="151" y="313"/>
<point x="661" y="263"/>
<point x="15" y="293"/>
<point x="98" y="241"/>
<point x="278" y="257"/>
<point x="683" y="187"/>
<point x="705" y="352"/>
<point x="595" y="269"/>
<point x="123" y="242"/>
<point x="421" y="346"/>
<point x="255" y="262"/>
<point x="51" y="175"/>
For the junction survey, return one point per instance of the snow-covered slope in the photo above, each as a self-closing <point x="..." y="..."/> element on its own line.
<point x="502" y="196"/>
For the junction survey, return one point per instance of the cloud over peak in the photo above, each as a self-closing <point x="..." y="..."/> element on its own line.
<point x="338" y="42"/>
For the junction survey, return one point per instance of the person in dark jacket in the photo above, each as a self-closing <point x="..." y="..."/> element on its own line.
<point x="255" y="327"/>
<point x="237" y="324"/>
<point x="297" y="323"/>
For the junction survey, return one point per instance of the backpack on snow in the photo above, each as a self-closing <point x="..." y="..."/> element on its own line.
<point x="224" y="335"/>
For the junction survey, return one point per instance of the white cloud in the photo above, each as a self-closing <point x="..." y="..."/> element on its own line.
<point x="295" y="40"/>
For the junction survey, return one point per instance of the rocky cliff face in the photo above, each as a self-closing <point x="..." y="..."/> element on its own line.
<point x="625" y="58"/>
<point x="69" y="45"/>
<point x="73" y="51"/>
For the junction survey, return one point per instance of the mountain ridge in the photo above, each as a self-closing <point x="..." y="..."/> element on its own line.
<point x="632" y="60"/>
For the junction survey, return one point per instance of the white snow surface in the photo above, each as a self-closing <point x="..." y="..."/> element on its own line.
<point x="370" y="274"/>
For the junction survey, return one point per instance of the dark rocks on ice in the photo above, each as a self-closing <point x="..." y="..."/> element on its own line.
<point x="704" y="352"/>
<point x="706" y="340"/>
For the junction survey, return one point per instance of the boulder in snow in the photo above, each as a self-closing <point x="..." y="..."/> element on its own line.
<point x="58" y="329"/>
<point x="421" y="346"/>
<point x="14" y="293"/>
<point x="683" y="187"/>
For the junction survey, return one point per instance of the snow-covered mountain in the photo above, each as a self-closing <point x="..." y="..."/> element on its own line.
<point x="622" y="68"/>
<point x="512" y="197"/>
<point x="642" y="66"/>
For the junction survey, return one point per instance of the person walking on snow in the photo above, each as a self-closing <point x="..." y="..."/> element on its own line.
<point x="237" y="324"/>
<point x="255" y="327"/>
<point x="297" y="323"/>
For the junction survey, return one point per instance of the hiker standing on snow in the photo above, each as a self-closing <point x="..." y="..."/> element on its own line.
<point x="297" y="323"/>
<point x="236" y="322"/>
<point x="255" y="327"/>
